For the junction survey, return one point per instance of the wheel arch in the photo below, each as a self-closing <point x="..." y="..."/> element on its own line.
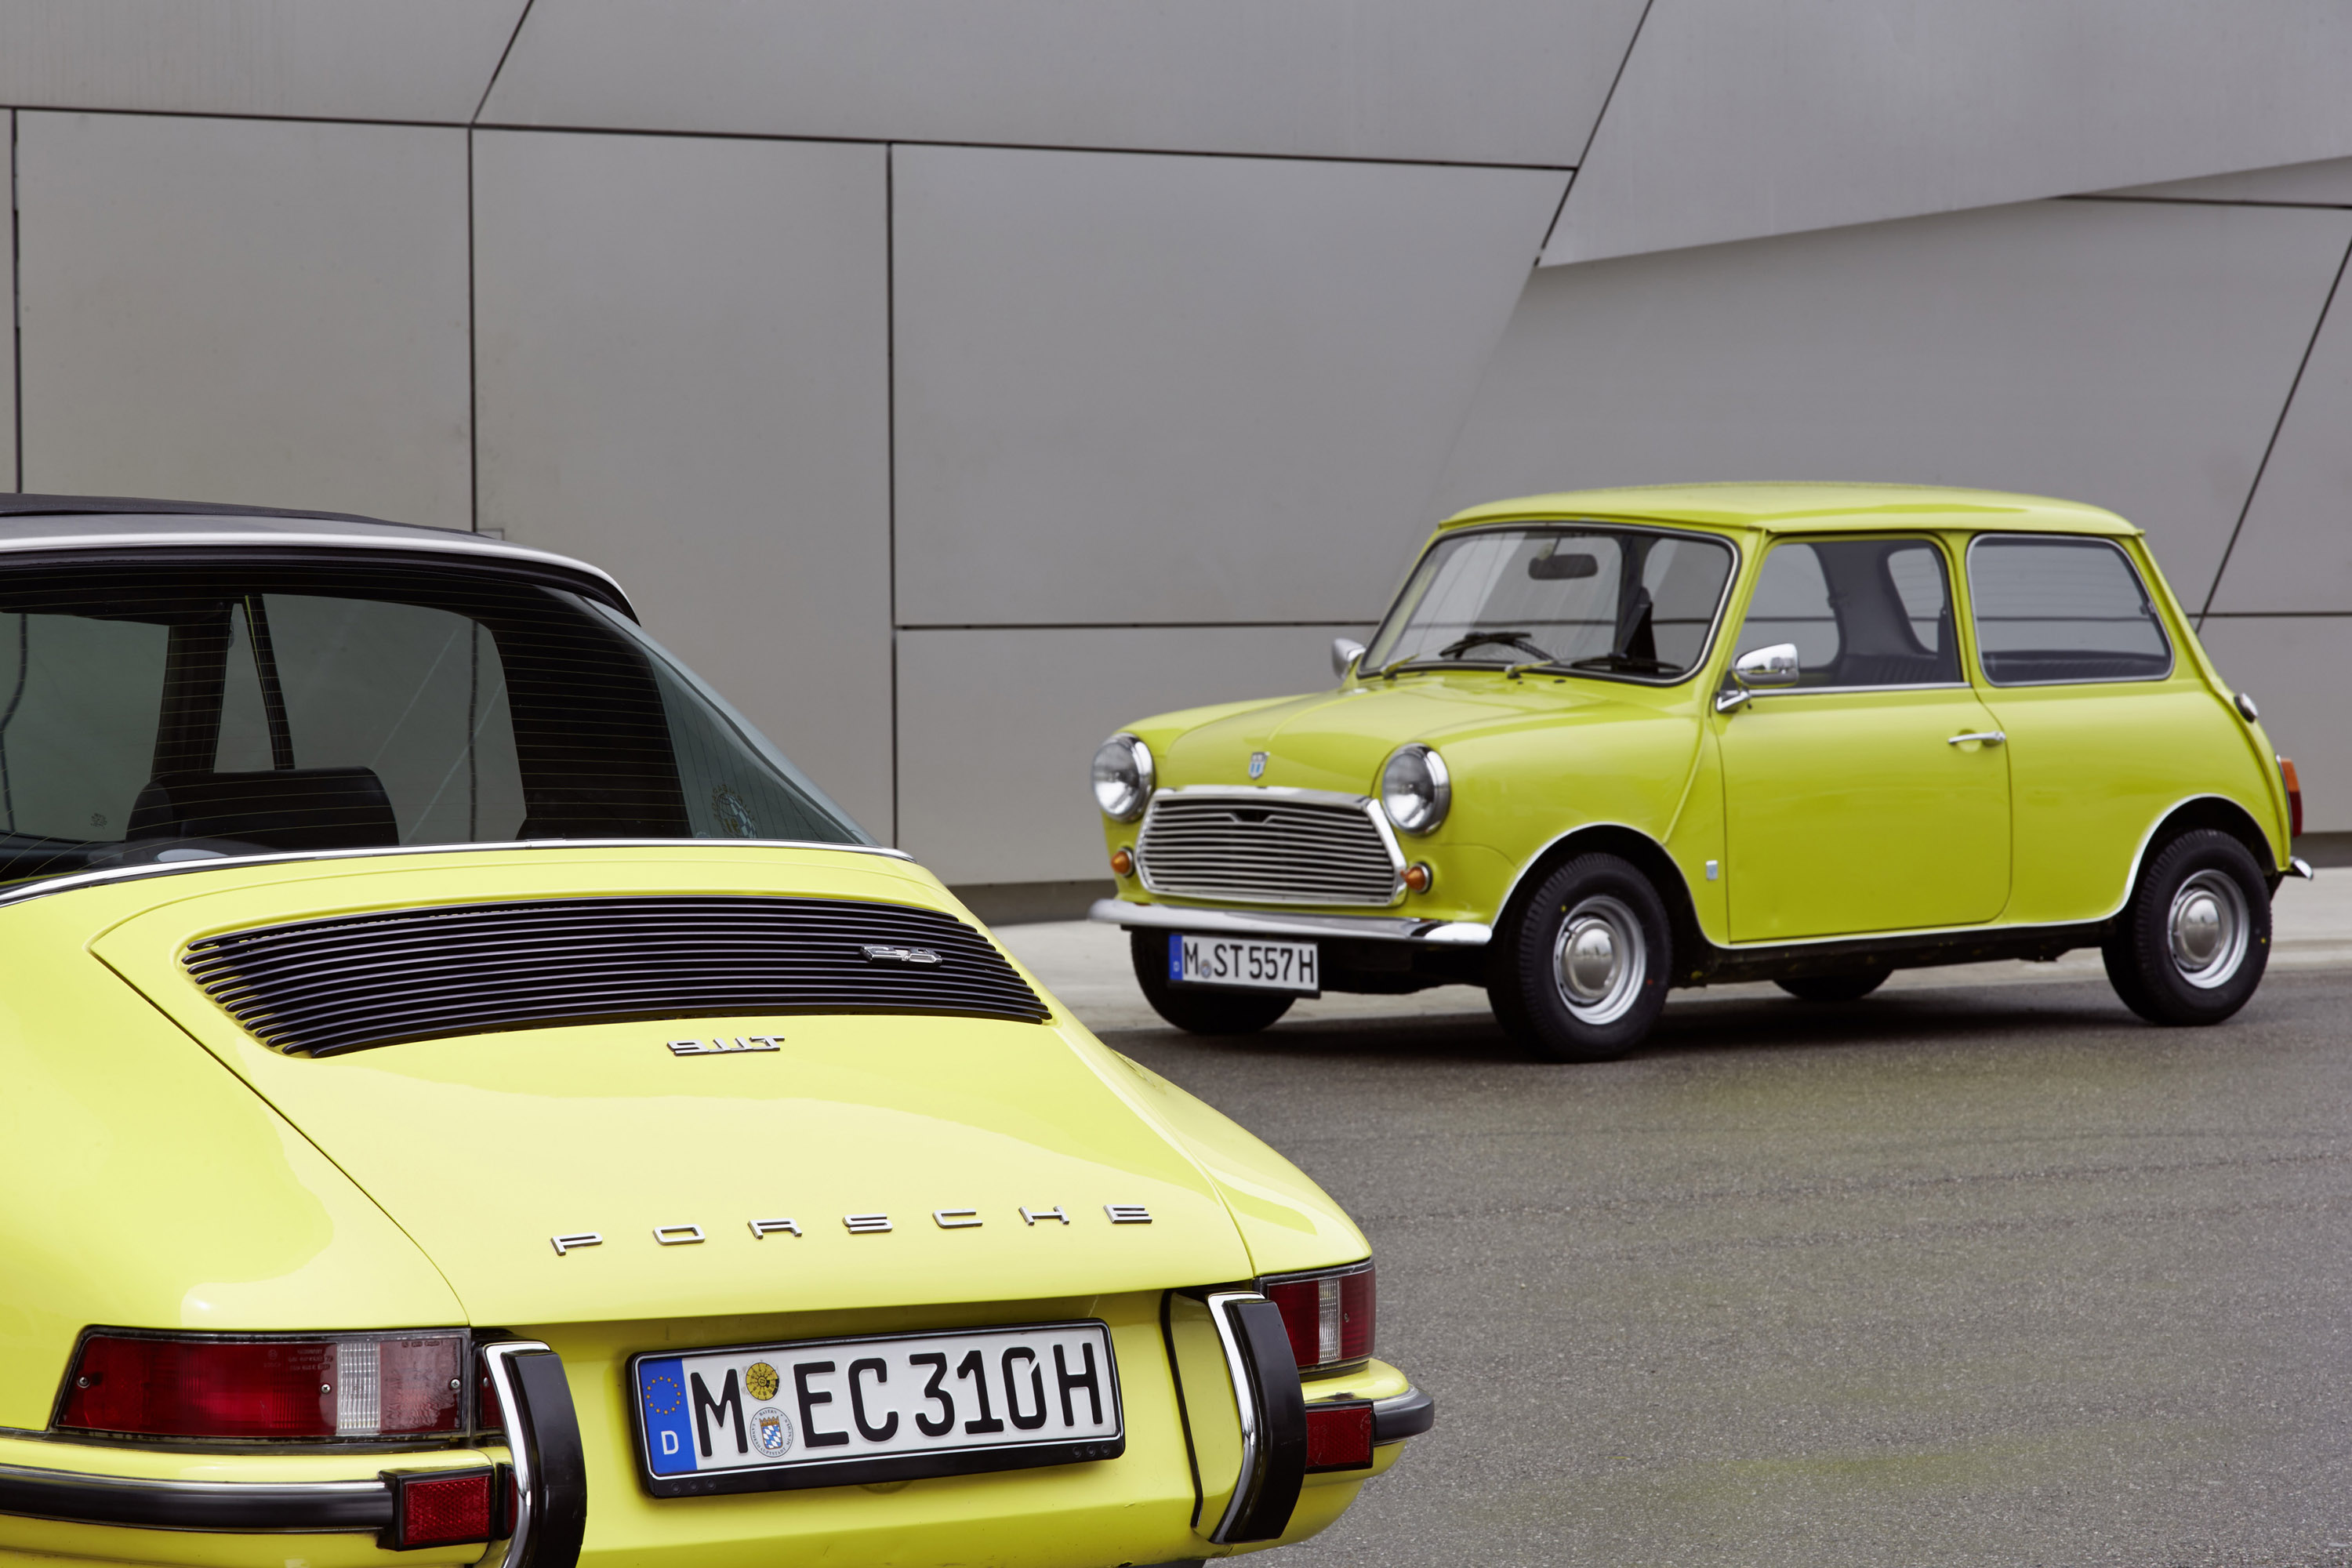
<point x="2218" y="813"/>
<point x="1638" y="849"/>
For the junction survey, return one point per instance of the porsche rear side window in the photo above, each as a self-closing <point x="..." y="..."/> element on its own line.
<point x="161" y="713"/>
<point x="2058" y="611"/>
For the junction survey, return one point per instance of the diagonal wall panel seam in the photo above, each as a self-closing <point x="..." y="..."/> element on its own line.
<point x="1622" y="60"/>
<point x="2270" y="446"/>
<point x="484" y="101"/>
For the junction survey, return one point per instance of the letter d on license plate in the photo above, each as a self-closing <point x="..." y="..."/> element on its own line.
<point x="1244" y="964"/>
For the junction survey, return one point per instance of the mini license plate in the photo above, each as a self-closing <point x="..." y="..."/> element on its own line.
<point x="832" y="1412"/>
<point x="1292" y="966"/>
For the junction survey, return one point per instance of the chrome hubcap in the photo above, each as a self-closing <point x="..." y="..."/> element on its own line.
<point x="2208" y="929"/>
<point x="1599" y="959"/>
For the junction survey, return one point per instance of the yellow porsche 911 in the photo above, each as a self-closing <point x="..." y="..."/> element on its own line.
<point x="464" y="1094"/>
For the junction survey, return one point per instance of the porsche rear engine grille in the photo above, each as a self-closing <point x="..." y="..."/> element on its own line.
<point x="1266" y="849"/>
<point x="319" y="987"/>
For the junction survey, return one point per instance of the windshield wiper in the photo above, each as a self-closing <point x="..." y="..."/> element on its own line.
<point x="1626" y="661"/>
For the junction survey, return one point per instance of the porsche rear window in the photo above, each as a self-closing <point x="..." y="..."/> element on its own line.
<point x="160" y="713"/>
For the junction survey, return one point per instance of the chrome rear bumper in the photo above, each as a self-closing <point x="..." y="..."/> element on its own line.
<point x="1252" y="922"/>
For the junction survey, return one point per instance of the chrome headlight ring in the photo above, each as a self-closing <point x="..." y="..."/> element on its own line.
<point x="1415" y="789"/>
<point x="1123" y="777"/>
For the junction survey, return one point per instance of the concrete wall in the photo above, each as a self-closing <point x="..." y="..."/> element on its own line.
<point x="953" y="382"/>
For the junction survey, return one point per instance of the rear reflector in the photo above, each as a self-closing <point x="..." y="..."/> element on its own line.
<point x="216" y="1386"/>
<point x="1329" y="1316"/>
<point x="443" y="1508"/>
<point x="1339" y="1435"/>
<point x="2293" y="797"/>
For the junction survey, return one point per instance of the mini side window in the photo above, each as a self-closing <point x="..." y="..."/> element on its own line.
<point x="2059" y="610"/>
<point x="1861" y="611"/>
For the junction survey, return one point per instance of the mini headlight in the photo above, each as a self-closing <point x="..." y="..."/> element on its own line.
<point x="1123" y="777"/>
<point x="1414" y="789"/>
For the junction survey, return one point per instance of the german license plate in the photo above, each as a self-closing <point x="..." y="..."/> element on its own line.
<point x="829" y="1413"/>
<point x="1245" y="963"/>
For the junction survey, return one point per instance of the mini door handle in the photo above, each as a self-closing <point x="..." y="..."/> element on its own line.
<point x="1989" y="737"/>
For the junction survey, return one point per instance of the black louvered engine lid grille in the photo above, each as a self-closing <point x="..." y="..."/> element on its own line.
<point x="344" y="983"/>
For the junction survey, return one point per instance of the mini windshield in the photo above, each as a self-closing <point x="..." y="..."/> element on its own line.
<point x="1627" y="603"/>
<point x="184" y="712"/>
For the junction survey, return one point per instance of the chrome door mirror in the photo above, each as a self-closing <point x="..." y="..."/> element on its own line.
<point x="1345" y="652"/>
<point x="1767" y="666"/>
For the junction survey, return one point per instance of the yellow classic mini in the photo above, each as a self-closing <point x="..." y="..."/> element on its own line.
<point x="463" y="1094"/>
<point x="1614" y="742"/>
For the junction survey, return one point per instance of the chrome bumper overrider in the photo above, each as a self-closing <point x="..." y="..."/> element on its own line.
<point x="1251" y="923"/>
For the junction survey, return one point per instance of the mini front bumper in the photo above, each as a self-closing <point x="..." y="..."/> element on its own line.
<point x="1252" y="922"/>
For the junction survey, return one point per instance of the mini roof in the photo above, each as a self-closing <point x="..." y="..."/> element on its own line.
<point x="33" y="523"/>
<point x="1777" y="508"/>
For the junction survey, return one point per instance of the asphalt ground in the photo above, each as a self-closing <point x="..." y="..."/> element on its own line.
<point x="1979" y="1270"/>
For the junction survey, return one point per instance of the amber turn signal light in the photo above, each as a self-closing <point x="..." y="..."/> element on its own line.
<point x="1418" y="877"/>
<point x="2293" y="797"/>
<point x="1122" y="862"/>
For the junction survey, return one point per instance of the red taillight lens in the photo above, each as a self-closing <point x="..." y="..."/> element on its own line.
<point x="439" y="1510"/>
<point x="487" y="1416"/>
<point x="215" y="1387"/>
<point x="2288" y="777"/>
<point x="1329" y="1316"/>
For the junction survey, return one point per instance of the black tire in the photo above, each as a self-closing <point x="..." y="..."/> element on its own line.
<point x="1202" y="1012"/>
<point x="1604" y="1007"/>
<point x="2192" y="942"/>
<point x="1835" y="987"/>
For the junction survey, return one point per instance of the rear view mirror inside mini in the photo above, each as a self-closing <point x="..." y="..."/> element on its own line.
<point x="1554" y="568"/>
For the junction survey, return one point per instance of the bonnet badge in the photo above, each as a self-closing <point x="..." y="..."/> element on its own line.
<point x="1257" y="765"/>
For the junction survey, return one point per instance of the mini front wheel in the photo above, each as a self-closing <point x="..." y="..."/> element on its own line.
<point x="1200" y="1011"/>
<point x="2192" y="942"/>
<point x="1580" y="975"/>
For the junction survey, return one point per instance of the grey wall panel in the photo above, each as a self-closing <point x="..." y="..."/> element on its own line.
<point x="2293" y="666"/>
<point x="265" y="311"/>
<point x="2294" y="552"/>
<point x="683" y="359"/>
<point x="8" y="279"/>
<point x="1741" y="117"/>
<point x="2131" y="354"/>
<point x="2326" y="183"/>
<point x="1153" y="389"/>
<point x="996" y="728"/>
<point x="1503" y="81"/>
<point x="345" y="60"/>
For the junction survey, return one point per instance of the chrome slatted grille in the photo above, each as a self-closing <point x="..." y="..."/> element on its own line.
<point x="354" y="981"/>
<point x="1265" y="848"/>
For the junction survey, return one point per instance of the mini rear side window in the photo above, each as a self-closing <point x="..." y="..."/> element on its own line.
<point x="2059" y="610"/>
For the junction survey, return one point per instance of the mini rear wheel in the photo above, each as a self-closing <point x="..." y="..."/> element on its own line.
<point x="1851" y="987"/>
<point x="2190" y="945"/>
<point x="1198" y="1009"/>
<point x="1580" y="975"/>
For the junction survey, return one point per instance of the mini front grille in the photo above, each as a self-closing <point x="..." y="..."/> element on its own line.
<point x="1266" y="848"/>
<point x="345" y="984"/>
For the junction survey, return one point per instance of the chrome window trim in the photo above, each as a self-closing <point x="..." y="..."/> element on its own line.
<point x="1699" y="665"/>
<point x="394" y="536"/>
<point x="1252" y="922"/>
<point x="1976" y="632"/>
<point x="1248" y="793"/>
<point x="48" y="884"/>
<point x="1760" y="694"/>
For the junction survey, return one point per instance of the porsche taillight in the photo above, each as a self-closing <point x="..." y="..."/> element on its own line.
<point x="1328" y="1315"/>
<point x="284" y="1386"/>
<point x="2288" y="777"/>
